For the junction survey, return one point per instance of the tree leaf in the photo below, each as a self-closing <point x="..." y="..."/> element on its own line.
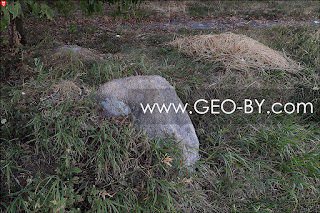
<point x="10" y="7"/>
<point x="18" y="5"/>
<point x="5" y="21"/>
<point x="44" y="7"/>
<point x="49" y="13"/>
<point x="15" y="9"/>
<point x="29" y="3"/>
<point x="36" y="9"/>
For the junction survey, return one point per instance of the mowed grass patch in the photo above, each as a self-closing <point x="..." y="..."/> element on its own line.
<point x="255" y="9"/>
<point x="251" y="165"/>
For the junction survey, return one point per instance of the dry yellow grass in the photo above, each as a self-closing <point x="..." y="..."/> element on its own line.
<point x="166" y="8"/>
<point x="65" y="89"/>
<point x="235" y="52"/>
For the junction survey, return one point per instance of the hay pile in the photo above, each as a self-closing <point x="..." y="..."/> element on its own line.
<point x="237" y="52"/>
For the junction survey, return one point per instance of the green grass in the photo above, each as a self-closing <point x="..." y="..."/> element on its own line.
<point x="85" y="161"/>
<point x="58" y="152"/>
<point x="68" y="157"/>
<point x="267" y="167"/>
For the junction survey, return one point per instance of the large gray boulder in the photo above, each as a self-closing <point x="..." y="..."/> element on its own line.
<point x="132" y="94"/>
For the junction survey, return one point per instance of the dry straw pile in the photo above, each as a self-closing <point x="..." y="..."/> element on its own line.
<point x="235" y="52"/>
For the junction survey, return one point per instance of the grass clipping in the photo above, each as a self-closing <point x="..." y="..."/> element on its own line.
<point x="235" y="52"/>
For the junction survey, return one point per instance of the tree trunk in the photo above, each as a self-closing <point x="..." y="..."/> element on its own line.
<point x="12" y="33"/>
<point x="19" y="26"/>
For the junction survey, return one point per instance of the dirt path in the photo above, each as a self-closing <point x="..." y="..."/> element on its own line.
<point x="224" y="23"/>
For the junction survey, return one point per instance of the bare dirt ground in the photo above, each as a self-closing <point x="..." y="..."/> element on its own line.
<point x="229" y="23"/>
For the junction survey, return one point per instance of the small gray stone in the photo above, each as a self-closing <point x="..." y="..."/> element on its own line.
<point x="75" y="51"/>
<point x="67" y="55"/>
<point x="214" y="79"/>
